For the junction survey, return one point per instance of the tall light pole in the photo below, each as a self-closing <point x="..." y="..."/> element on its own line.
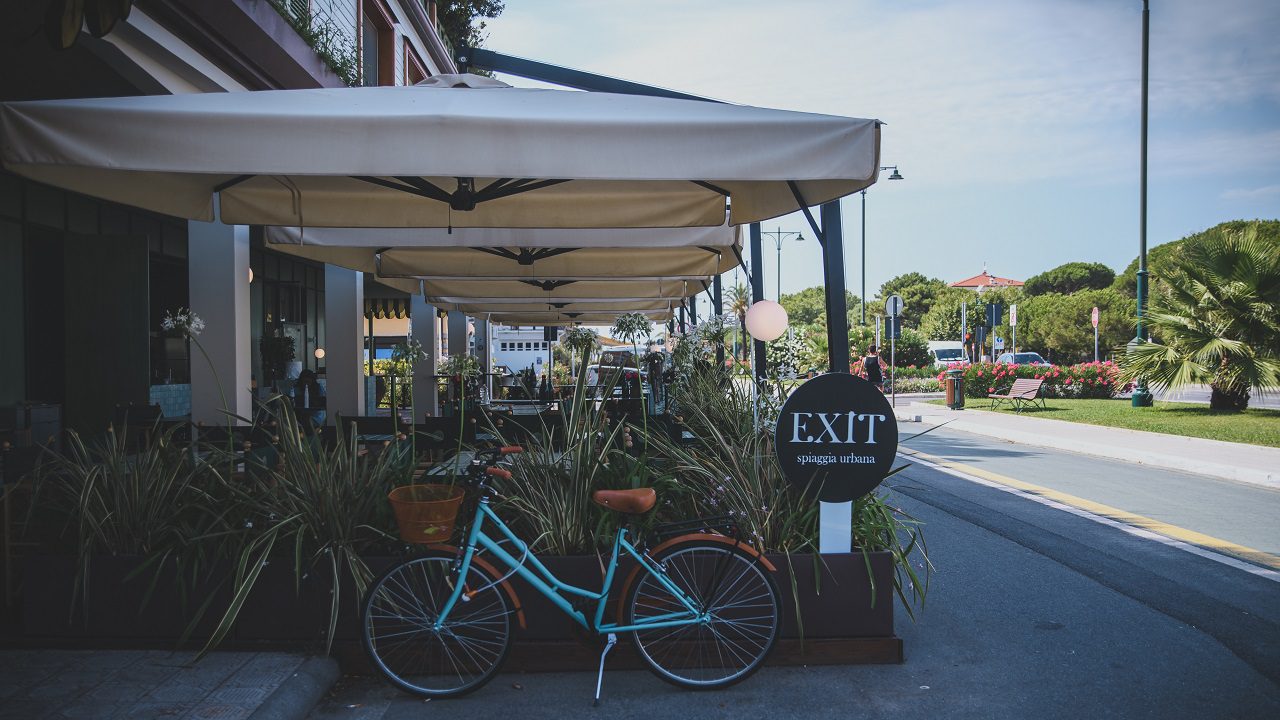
<point x="778" y="236"/>
<point x="1141" y="395"/>
<point x="863" y="300"/>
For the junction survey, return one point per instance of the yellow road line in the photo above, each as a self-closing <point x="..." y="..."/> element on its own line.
<point x="1162" y="528"/>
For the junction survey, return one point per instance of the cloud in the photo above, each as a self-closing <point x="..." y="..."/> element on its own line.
<point x="1258" y="193"/>
<point x="972" y="90"/>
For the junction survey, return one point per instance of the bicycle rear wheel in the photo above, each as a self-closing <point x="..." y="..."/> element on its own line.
<point x="744" y="607"/>
<point x="403" y="605"/>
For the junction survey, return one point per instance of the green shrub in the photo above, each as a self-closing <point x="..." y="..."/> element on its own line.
<point x="1086" y="380"/>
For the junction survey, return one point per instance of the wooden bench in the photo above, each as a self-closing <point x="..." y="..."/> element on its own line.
<point x="1024" y="393"/>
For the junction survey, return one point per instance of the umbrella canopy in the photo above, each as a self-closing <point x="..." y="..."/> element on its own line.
<point x="562" y="291"/>
<point x="612" y="308"/>
<point x="571" y="318"/>
<point x="432" y="253"/>
<point x="455" y="151"/>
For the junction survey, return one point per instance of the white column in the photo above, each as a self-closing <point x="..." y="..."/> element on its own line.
<point x="218" y="272"/>
<point x="422" y="319"/>
<point x="344" y="342"/>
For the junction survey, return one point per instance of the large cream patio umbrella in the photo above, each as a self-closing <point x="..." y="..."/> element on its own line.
<point x="434" y="253"/>
<point x="454" y="151"/>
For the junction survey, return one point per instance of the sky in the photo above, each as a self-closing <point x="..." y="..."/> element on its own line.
<point x="1015" y="123"/>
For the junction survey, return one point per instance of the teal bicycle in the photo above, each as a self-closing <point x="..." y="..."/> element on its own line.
<point x="701" y="607"/>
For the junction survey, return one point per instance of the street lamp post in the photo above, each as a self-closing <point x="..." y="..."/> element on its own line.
<point x="895" y="175"/>
<point x="778" y="236"/>
<point x="1141" y="395"/>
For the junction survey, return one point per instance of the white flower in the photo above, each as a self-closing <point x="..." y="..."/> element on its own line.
<point x="184" y="321"/>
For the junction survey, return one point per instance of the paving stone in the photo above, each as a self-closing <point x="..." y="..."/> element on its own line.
<point x="143" y="676"/>
<point x="178" y="692"/>
<point x="241" y="695"/>
<point x="218" y="712"/>
<point x="116" y="692"/>
<point x="154" y="711"/>
<point x="248" y="678"/>
<point x="82" y="709"/>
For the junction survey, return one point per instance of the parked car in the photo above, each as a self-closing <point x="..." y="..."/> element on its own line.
<point x="1022" y="358"/>
<point x="946" y="353"/>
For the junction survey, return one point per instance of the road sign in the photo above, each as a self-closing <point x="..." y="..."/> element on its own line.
<point x="1013" y="315"/>
<point x="1094" y="317"/>
<point x="893" y="306"/>
<point x="995" y="312"/>
<point x="895" y="328"/>
<point x="998" y="343"/>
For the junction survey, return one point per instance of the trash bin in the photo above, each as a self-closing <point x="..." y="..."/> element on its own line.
<point x="955" y="389"/>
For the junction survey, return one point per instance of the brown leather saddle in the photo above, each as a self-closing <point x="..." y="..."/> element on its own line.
<point x="631" y="502"/>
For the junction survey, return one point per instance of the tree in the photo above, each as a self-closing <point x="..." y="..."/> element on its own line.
<point x="1216" y="318"/>
<point x="1057" y="326"/>
<point x="1162" y="257"/>
<point x="918" y="295"/>
<point x="459" y="19"/>
<point x="943" y="320"/>
<point x="806" y="306"/>
<point x="1069" y="278"/>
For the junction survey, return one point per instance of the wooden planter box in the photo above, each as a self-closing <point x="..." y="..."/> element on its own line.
<point x="843" y="620"/>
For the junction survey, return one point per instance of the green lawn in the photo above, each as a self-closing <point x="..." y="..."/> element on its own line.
<point x="1256" y="427"/>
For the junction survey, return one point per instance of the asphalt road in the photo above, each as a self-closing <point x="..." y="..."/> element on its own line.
<point x="1200" y="394"/>
<point x="1237" y="512"/>
<point x="1032" y="612"/>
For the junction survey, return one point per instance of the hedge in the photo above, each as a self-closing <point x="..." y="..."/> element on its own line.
<point x="1086" y="380"/>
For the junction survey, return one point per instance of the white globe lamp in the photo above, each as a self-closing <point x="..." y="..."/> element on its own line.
<point x="766" y="321"/>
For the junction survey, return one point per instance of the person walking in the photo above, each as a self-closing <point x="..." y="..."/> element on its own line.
<point x="871" y="366"/>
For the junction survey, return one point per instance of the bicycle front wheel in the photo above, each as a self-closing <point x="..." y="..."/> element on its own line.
<point x="401" y="610"/>
<point x="742" y="603"/>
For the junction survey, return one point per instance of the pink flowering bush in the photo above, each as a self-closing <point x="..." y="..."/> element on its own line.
<point x="1086" y="380"/>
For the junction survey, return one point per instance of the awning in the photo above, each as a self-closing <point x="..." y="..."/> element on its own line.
<point x="454" y="151"/>
<point x="386" y="308"/>
<point x="675" y="253"/>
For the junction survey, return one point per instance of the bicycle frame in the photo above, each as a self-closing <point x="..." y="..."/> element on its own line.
<point x="551" y="587"/>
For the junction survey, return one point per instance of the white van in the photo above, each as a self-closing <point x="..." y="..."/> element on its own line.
<point x="946" y="352"/>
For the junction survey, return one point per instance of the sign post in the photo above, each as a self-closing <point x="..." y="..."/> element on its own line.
<point x="964" y="327"/>
<point x="1013" y="325"/>
<point x="995" y="312"/>
<point x="893" y="308"/>
<point x="1094" y="317"/>
<point x="836" y="437"/>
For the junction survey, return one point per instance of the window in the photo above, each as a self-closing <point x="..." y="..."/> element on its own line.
<point x="377" y="45"/>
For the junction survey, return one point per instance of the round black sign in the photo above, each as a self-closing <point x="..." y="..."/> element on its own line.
<point x="836" y="437"/>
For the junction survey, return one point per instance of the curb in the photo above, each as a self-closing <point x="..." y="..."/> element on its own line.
<point x="1250" y="476"/>
<point x="301" y="692"/>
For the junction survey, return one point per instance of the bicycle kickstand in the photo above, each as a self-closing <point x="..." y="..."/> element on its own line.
<point x="613" y="640"/>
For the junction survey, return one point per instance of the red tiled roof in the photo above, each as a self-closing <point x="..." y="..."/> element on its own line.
<point x="986" y="279"/>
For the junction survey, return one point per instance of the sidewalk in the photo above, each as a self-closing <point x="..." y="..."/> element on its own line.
<point x="161" y="684"/>
<point x="1240" y="462"/>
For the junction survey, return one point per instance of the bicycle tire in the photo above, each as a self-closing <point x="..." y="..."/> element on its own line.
<point x="460" y="659"/>
<point x="740" y="594"/>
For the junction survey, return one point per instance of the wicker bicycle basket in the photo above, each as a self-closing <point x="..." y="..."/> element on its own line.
<point x="426" y="513"/>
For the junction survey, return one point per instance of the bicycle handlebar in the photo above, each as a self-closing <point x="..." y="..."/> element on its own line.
<point x="498" y="472"/>
<point x="510" y="450"/>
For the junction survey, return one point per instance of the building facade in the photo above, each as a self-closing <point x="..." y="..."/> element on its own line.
<point x="85" y="284"/>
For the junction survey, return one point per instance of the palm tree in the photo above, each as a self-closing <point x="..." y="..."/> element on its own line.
<point x="1216" y="319"/>
<point x="739" y="303"/>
